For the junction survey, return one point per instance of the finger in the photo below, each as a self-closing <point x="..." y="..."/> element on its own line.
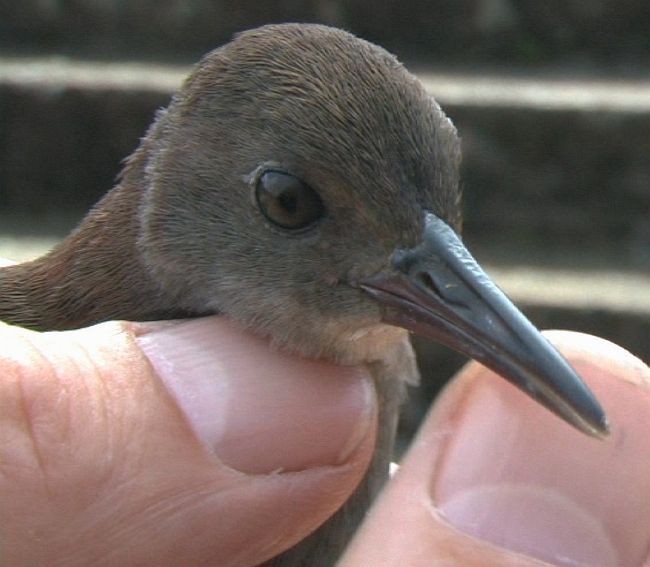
<point x="493" y="479"/>
<point x="227" y="455"/>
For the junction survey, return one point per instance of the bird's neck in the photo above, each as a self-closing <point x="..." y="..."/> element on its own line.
<point x="324" y="547"/>
<point x="95" y="274"/>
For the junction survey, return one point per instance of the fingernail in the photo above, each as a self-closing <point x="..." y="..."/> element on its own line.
<point x="513" y="474"/>
<point x="258" y="409"/>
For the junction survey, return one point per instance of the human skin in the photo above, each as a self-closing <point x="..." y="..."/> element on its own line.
<point x="493" y="479"/>
<point x="104" y="460"/>
<point x="194" y="442"/>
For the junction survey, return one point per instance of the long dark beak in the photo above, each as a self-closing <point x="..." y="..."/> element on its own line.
<point x="437" y="290"/>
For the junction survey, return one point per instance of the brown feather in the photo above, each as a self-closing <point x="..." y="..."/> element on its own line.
<point x="180" y="235"/>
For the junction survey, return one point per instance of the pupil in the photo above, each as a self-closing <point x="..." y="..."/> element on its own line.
<point x="288" y="202"/>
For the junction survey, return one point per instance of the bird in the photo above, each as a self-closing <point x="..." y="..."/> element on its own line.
<point x="305" y="184"/>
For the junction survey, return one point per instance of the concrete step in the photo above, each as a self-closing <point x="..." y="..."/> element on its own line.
<point x="604" y="34"/>
<point x="551" y="164"/>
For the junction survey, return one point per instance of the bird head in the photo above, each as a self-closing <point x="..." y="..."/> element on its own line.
<point x="304" y="183"/>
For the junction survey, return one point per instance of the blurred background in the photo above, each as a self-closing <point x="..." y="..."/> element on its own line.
<point x="552" y="101"/>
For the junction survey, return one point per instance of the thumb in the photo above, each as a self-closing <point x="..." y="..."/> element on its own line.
<point x="494" y="479"/>
<point x="185" y="442"/>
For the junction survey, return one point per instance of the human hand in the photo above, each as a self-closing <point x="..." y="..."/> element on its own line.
<point x="184" y="443"/>
<point x="99" y="463"/>
<point x="494" y="480"/>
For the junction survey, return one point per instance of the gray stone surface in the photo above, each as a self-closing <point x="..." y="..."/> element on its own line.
<point x="603" y="34"/>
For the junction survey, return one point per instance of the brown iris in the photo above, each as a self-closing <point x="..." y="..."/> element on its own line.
<point x="287" y="201"/>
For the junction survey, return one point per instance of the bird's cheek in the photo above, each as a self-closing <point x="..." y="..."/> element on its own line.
<point x="331" y="279"/>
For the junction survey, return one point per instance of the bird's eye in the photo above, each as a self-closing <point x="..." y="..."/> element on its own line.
<point x="287" y="201"/>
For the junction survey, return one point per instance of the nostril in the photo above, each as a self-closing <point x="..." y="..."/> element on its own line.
<point x="425" y="279"/>
<point x="449" y="293"/>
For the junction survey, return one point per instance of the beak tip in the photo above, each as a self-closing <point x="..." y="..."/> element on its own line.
<point x="570" y="399"/>
<point x="437" y="290"/>
<point x="588" y="417"/>
<point x="602" y="430"/>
